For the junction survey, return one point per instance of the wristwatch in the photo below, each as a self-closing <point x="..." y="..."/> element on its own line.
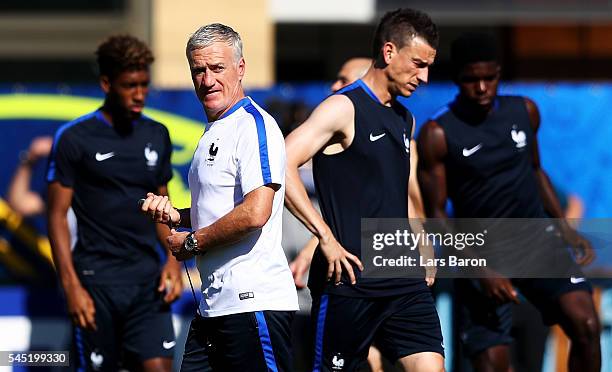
<point x="191" y="243"/>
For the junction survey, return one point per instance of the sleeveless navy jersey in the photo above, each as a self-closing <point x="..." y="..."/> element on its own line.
<point x="109" y="172"/>
<point x="369" y="179"/>
<point x="489" y="165"/>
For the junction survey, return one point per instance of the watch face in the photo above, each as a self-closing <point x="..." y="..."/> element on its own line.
<point x="191" y="243"/>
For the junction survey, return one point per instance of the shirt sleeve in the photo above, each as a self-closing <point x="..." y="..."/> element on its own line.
<point x="63" y="160"/>
<point x="165" y="174"/>
<point x="260" y="153"/>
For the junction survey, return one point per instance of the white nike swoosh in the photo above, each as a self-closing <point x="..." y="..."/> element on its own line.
<point x="376" y="138"/>
<point x="168" y="345"/>
<point x="102" y="157"/>
<point x="577" y="280"/>
<point x="469" y="152"/>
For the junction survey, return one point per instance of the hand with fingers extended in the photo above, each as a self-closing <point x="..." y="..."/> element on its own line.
<point x="499" y="289"/>
<point x="81" y="307"/>
<point x="160" y="209"/>
<point x="338" y="257"/>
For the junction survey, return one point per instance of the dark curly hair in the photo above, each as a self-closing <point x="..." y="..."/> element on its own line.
<point x="121" y="53"/>
<point x="402" y="25"/>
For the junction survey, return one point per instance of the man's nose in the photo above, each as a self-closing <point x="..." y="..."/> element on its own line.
<point x="209" y="80"/>
<point x="423" y="75"/>
<point x="481" y="86"/>
<point x="140" y="93"/>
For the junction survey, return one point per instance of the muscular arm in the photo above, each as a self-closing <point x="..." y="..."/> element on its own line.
<point x="582" y="248"/>
<point x="416" y="211"/>
<point x="432" y="170"/>
<point x="330" y="124"/>
<point x="415" y="200"/>
<point x="547" y="192"/>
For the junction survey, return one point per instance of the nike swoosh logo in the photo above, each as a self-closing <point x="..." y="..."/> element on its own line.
<point x="376" y="138"/>
<point x="102" y="157"/>
<point x="577" y="280"/>
<point x="168" y="345"/>
<point x="469" y="152"/>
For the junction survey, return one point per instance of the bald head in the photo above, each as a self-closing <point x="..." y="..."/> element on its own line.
<point x="351" y="70"/>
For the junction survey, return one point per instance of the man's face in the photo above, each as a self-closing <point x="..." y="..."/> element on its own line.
<point x="409" y="66"/>
<point x="351" y="70"/>
<point x="127" y="92"/>
<point x="478" y="82"/>
<point x="216" y="77"/>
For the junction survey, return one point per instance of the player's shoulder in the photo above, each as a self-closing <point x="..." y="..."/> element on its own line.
<point x="152" y="124"/>
<point x="335" y="106"/>
<point x="441" y="114"/>
<point x="77" y="128"/>
<point x="254" y="120"/>
<point x="510" y="99"/>
<point x="432" y="128"/>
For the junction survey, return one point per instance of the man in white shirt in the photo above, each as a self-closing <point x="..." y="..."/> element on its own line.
<point x="237" y="192"/>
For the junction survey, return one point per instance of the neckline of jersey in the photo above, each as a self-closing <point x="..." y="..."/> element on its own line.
<point x="102" y="118"/>
<point x="369" y="91"/>
<point x="242" y="103"/>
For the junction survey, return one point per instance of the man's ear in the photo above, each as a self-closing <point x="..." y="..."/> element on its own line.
<point x="105" y="83"/>
<point x="388" y="51"/>
<point x="241" y="68"/>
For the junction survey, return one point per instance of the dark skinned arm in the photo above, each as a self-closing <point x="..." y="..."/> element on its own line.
<point x="582" y="248"/>
<point x="80" y="305"/>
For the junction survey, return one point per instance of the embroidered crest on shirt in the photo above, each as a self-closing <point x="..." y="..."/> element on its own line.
<point x="150" y="155"/>
<point x="518" y="137"/>
<point x="406" y="142"/>
<point x="212" y="153"/>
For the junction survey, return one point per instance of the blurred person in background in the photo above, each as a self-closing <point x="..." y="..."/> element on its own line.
<point x="236" y="179"/>
<point x="117" y="294"/>
<point x="481" y="151"/>
<point x="365" y="120"/>
<point x="351" y="70"/>
<point x="21" y="197"/>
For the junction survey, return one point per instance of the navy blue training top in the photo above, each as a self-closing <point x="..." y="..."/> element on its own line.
<point x="489" y="165"/>
<point x="369" y="179"/>
<point x="109" y="171"/>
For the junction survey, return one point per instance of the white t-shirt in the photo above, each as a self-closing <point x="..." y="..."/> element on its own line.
<point x="238" y="153"/>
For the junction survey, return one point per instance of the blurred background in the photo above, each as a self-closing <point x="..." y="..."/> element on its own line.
<point x="559" y="53"/>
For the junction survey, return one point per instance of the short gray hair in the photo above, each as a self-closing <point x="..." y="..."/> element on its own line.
<point x="207" y="35"/>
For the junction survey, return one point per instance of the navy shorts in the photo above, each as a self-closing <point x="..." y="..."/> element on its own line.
<point x="133" y="325"/>
<point x="345" y="327"/>
<point x="254" y="341"/>
<point x="484" y="323"/>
